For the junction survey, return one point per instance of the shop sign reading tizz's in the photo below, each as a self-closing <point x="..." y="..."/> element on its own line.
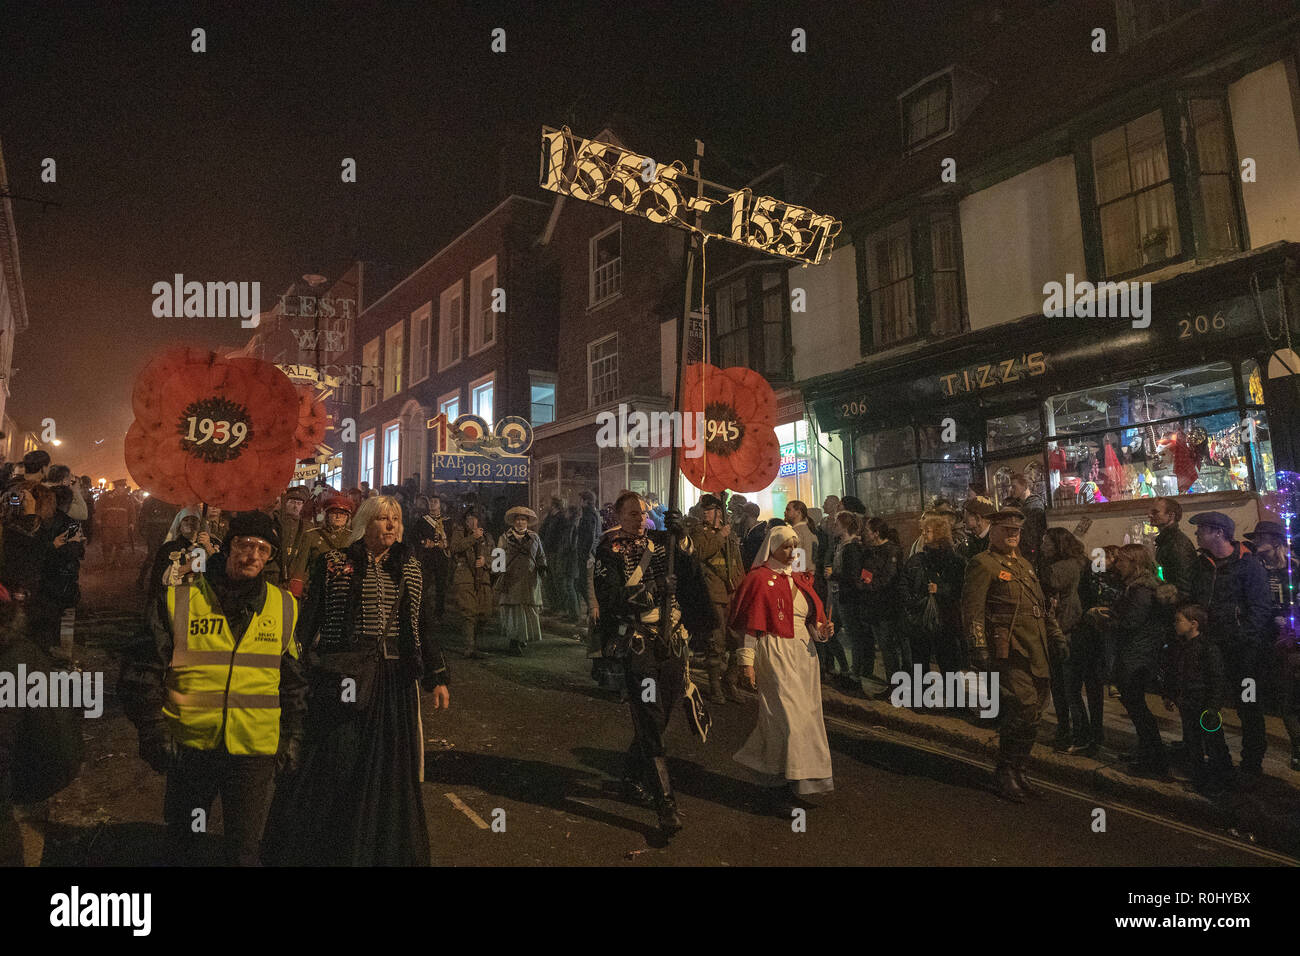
<point x="612" y="176"/>
<point x="994" y="373"/>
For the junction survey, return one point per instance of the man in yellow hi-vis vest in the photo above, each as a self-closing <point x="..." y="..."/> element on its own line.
<point x="217" y="693"/>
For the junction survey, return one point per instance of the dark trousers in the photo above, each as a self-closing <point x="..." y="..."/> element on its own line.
<point x="1021" y="696"/>
<point x="1207" y="752"/>
<point x="651" y="704"/>
<point x="1242" y="663"/>
<point x="246" y="784"/>
<point x="1060" y="699"/>
<point x="437" y="570"/>
<point x="1085" y="670"/>
<point x="1133" y="683"/>
<point x="832" y="651"/>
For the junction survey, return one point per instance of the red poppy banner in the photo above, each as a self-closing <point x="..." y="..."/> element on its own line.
<point x="223" y="431"/>
<point x="741" y="450"/>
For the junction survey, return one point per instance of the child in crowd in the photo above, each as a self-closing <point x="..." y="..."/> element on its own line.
<point x="1198" y="687"/>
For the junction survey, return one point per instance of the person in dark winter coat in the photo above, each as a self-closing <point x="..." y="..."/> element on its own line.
<point x="1060" y="564"/>
<point x="1197" y="691"/>
<point x="553" y="531"/>
<point x="1035" y="511"/>
<point x="1175" y="553"/>
<point x="1136" y="622"/>
<point x="882" y="609"/>
<point x="848" y="596"/>
<point x="58" y="588"/>
<point x="356" y="800"/>
<point x="1232" y="586"/>
<point x="936" y="571"/>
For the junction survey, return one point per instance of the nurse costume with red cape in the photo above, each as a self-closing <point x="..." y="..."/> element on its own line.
<point x="778" y="611"/>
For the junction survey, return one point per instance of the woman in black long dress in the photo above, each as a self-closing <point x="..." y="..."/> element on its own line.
<point x="355" y="800"/>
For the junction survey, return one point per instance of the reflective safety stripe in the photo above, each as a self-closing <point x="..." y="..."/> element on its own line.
<point x="223" y="658"/>
<point x="288" y="621"/>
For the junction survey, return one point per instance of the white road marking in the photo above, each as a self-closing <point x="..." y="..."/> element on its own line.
<point x="459" y="804"/>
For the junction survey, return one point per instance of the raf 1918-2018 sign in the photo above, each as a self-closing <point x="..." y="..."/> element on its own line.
<point x="467" y="451"/>
<point x="612" y="176"/>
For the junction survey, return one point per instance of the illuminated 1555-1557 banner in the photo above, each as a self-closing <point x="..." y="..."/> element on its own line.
<point x="611" y="176"/>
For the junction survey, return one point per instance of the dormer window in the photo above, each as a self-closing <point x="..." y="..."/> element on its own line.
<point x="927" y="112"/>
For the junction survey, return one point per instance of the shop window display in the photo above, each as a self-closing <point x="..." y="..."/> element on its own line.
<point x="1188" y="436"/>
<point x="1013" y="431"/>
<point x="890" y="490"/>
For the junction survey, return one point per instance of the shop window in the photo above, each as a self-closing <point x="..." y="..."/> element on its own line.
<point x="1013" y="431"/>
<point x="998" y="477"/>
<point x="1135" y="195"/>
<point x="949" y="480"/>
<point x="888" y="447"/>
<point x="888" y="491"/>
<point x="1181" y="433"/>
<point x="1123" y="404"/>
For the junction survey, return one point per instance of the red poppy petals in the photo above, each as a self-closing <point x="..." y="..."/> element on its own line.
<point x="151" y="467"/>
<point x="752" y="463"/>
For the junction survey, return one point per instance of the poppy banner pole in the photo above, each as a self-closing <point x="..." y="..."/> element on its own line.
<point x="683" y="344"/>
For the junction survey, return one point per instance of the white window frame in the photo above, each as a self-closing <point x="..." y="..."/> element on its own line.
<point x="489" y="379"/>
<point x="592" y="300"/>
<point x="446" y="336"/>
<point x="393" y="364"/>
<point x="591" y="380"/>
<point x="479" y="308"/>
<point x="443" y="401"/>
<point x="391" y="429"/>
<point x="369" y="360"/>
<point x="421" y="345"/>
<point x="366" y="463"/>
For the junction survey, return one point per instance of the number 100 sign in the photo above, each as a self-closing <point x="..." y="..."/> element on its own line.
<point x="627" y="182"/>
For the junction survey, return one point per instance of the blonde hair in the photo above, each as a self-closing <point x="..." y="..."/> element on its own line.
<point x="940" y="524"/>
<point x="375" y="507"/>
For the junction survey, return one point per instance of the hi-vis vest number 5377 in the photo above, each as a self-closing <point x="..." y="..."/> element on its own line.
<point x="223" y="689"/>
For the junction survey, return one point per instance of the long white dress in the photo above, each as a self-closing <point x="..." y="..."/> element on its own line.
<point x="789" y="742"/>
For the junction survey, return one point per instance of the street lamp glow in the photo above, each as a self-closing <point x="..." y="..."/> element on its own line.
<point x="57" y="442"/>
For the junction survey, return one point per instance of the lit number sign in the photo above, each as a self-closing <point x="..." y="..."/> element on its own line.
<point x="611" y="176"/>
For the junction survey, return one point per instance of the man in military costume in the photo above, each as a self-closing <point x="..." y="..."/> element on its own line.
<point x="630" y="580"/>
<point x="718" y="552"/>
<point x="334" y="535"/>
<point x="1009" y="628"/>
<point x="293" y="528"/>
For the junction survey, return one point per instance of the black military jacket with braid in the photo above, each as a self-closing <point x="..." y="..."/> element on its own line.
<point x="330" y="614"/>
<point x="620" y="604"/>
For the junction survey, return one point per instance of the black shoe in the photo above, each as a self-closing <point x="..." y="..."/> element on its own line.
<point x="1023" y="783"/>
<point x="1295" y="760"/>
<point x="670" y="821"/>
<point x="1061" y="744"/>
<point x="1004" y="781"/>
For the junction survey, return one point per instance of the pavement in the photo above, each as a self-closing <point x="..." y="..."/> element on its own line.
<point x="523" y="770"/>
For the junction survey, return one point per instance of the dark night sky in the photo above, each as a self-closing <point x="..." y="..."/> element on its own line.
<point x="225" y="165"/>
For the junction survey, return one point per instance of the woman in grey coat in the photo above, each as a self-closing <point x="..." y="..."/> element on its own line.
<point x="518" y="589"/>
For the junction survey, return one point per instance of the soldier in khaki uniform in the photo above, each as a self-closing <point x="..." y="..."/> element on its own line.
<point x="1009" y="625"/>
<point x="718" y="552"/>
<point x="334" y="535"/>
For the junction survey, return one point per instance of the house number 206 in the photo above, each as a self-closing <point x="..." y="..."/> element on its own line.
<point x="1201" y="325"/>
